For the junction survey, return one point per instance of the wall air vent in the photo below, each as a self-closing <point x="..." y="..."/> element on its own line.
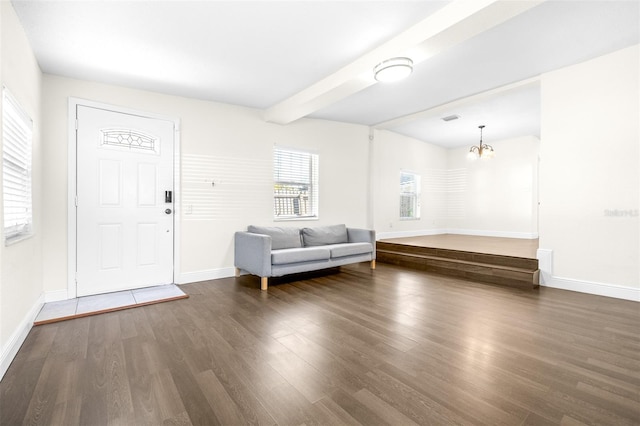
<point x="450" y="117"/>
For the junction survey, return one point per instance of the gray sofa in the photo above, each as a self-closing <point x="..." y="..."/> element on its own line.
<point x="274" y="252"/>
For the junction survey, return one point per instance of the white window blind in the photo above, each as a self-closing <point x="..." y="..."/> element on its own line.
<point x="295" y="190"/>
<point x="16" y="172"/>
<point x="409" y="195"/>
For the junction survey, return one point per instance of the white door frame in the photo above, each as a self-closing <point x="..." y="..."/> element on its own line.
<point x="72" y="186"/>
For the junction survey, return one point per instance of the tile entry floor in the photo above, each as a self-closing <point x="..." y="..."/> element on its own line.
<point x="99" y="303"/>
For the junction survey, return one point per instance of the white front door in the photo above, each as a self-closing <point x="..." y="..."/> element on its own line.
<point x="124" y="201"/>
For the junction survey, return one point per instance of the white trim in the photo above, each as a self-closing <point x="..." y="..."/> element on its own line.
<point x="177" y="197"/>
<point x="547" y="279"/>
<point x="10" y="350"/>
<point x="402" y="234"/>
<point x="71" y="198"/>
<point x="424" y="232"/>
<point x="206" y="275"/>
<point x="599" y="289"/>
<point x="499" y="234"/>
<point x="72" y="184"/>
<point x="545" y="264"/>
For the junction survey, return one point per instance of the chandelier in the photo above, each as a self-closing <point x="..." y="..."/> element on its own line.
<point x="481" y="150"/>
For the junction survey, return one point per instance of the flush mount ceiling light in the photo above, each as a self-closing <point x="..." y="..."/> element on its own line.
<point x="393" y="69"/>
<point x="482" y="150"/>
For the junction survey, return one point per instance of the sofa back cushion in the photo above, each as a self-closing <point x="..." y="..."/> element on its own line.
<point x="281" y="238"/>
<point x="322" y="235"/>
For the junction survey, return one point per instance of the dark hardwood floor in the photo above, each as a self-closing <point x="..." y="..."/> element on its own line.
<point x="390" y="346"/>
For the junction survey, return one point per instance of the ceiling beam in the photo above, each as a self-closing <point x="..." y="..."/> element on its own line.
<point x="454" y="23"/>
<point x="437" y="111"/>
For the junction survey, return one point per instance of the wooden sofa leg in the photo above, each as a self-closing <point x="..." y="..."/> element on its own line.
<point x="237" y="272"/>
<point x="264" y="283"/>
<point x="373" y="264"/>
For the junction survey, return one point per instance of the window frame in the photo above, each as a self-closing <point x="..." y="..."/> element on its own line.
<point x="413" y="194"/>
<point x="294" y="175"/>
<point x="17" y="162"/>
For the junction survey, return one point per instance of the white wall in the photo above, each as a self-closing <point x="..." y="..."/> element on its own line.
<point x="20" y="263"/>
<point x="499" y="196"/>
<point x="588" y="169"/>
<point x="492" y="198"/>
<point x="231" y="146"/>
<point x="391" y="154"/>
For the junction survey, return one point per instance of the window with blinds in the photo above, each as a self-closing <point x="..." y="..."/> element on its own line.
<point x="16" y="169"/>
<point x="409" y="195"/>
<point x="295" y="188"/>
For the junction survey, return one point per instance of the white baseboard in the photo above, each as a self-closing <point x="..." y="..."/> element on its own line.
<point x="18" y="337"/>
<point x="500" y="234"/>
<point x="209" y="274"/>
<point x="547" y="279"/>
<point x="545" y="264"/>
<point x="402" y="234"/>
<point x="475" y="232"/>
<point x="598" y="289"/>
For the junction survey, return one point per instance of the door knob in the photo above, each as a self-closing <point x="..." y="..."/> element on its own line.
<point x="168" y="211"/>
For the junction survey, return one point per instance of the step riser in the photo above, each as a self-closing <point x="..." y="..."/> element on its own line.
<point x="488" y="259"/>
<point x="483" y="273"/>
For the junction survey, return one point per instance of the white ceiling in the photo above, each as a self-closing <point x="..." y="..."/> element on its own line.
<point x="313" y="58"/>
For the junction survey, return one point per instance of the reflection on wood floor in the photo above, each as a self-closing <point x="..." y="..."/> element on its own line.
<point x="348" y="346"/>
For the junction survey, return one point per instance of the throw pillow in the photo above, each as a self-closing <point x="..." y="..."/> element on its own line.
<point x="322" y="235"/>
<point x="281" y="238"/>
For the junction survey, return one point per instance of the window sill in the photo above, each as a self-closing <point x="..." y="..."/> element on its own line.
<point x="295" y="219"/>
<point x="17" y="239"/>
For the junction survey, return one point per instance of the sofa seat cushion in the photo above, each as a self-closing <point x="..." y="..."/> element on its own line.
<point x="281" y="238"/>
<point x="350" y="249"/>
<point x="323" y="235"/>
<point x="309" y="254"/>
